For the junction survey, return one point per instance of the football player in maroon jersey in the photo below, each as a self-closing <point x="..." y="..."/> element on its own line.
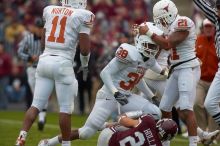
<point x="144" y="131"/>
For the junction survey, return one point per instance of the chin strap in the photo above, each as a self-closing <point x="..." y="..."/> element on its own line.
<point x="144" y="57"/>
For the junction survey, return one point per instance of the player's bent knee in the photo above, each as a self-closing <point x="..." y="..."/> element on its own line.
<point x="86" y="132"/>
<point x="155" y="112"/>
<point x="158" y="114"/>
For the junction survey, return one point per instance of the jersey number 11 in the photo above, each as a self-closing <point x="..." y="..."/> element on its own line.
<point x="60" y="38"/>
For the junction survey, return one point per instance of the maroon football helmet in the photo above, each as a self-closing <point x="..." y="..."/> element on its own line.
<point x="167" y="129"/>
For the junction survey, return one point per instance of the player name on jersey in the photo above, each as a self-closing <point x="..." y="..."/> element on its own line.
<point x="150" y="137"/>
<point x="64" y="11"/>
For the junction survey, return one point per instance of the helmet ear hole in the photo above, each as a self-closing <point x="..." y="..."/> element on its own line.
<point x="167" y="129"/>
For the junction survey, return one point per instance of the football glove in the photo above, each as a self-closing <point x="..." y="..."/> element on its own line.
<point x="121" y="98"/>
<point x="156" y="101"/>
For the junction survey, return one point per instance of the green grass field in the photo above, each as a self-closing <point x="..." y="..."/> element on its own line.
<point x="10" y="123"/>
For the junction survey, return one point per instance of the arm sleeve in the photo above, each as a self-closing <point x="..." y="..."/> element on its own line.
<point x="207" y="9"/>
<point x="142" y="86"/>
<point x="106" y="74"/>
<point x="23" y="45"/>
<point x="156" y="67"/>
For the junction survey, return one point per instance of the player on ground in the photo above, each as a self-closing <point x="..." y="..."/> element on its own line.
<point x="64" y="26"/>
<point x="185" y="67"/>
<point x="144" y="131"/>
<point x="120" y="76"/>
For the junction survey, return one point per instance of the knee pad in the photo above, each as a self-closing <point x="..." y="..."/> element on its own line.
<point x="86" y="132"/>
<point x="186" y="101"/>
<point x="67" y="109"/>
<point x="39" y="104"/>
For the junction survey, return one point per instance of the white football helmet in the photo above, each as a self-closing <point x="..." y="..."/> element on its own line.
<point x="77" y="4"/>
<point x="164" y="14"/>
<point x="145" y="45"/>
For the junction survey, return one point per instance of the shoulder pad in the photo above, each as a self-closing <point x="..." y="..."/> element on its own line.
<point x="46" y="9"/>
<point x="183" y="23"/>
<point x="86" y="16"/>
<point x="127" y="53"/>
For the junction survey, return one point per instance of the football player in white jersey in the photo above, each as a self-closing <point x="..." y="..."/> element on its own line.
<point x="156" y="82"/>
<point x="120" y="76"/>
<point x="64" y="26"/>
<point x="185" y="67"/>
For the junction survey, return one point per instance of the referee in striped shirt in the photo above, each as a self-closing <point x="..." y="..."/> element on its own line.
<point x="29" y="50"/>
<point x="212" y="100"/>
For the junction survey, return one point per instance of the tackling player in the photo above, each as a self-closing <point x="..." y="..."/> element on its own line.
<point x="64" y="26"/>
<point x="120" y="76"/>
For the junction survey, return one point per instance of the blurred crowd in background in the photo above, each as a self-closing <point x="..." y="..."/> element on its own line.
<point x="112" y="27"/>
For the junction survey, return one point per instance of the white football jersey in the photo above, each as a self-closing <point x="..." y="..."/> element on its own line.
<point x="63" y="25"/>
<point x="186" y="49"/>
<point x="133" y="68"/>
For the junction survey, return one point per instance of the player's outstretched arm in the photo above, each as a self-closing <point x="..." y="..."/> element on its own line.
<point x="110" y="69"/>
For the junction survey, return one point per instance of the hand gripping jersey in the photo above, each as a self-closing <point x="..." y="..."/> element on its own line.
<point x="132" y="68"/>
<point x="145" y="134"/>
<point x="185" y="50"/>
<point x="63" y="25"/>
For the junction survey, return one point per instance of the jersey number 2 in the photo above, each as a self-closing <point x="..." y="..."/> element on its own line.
<point x="132" y="140"/>
<point x="60" y="38"/>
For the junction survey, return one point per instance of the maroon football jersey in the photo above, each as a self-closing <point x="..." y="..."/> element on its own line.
<point x="145" y="134"/>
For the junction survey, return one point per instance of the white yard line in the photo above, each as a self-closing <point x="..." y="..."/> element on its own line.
<point x="15" y="122"/>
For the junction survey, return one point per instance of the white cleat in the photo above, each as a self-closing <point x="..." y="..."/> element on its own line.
<point x="208" y="137"/>
<point x="20" y="141"/>
<point x="44" y="142"/>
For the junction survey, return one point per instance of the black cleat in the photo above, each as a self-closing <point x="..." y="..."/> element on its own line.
<point x="41" y="125"/>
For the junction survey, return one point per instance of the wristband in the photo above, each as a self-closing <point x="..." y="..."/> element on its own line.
<point x="84" y="60"/>
<point x="149" y="33"/>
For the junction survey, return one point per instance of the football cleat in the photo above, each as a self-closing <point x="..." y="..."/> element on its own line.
<point x="41" y="125"/>
<point x="43" y="142"/>
<point x="209" y="137"/>
<point x="20" y="141"/>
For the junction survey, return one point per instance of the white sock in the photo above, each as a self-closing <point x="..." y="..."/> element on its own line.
<point x="66" y="143"/>
<point x="166" y="143"/>
<point x="42" y="116"/>
<point x="23" y="134"/>
<point x="53" y="141"/>
<point x="193" y="140"/>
